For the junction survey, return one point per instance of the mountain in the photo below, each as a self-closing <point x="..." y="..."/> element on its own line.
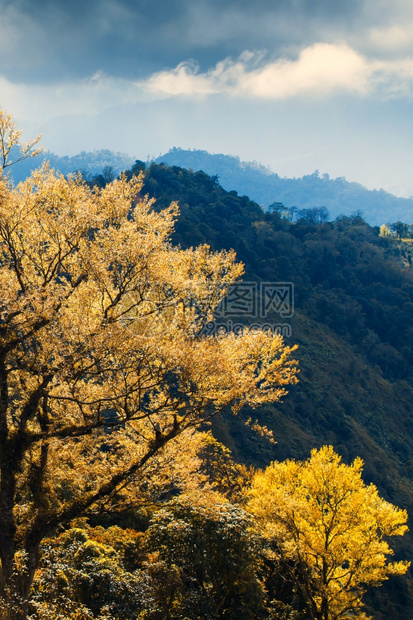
<point x="344" y="294"/>
<point x="352" y="317"/>
<point x="88" y="163"/>
<point x="353" y="304"/>
<point x="339" y="290"/>
<point x="266" y="187"/>
<point x="252" y="179"/>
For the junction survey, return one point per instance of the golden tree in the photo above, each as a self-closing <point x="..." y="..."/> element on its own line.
<point x="102" y="357"/>
<point x="330" y="529"/>
<point x="11" y="144"/>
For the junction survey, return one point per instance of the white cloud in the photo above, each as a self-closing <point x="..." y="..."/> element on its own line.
<point x="320" y="70"/>
<point x="183" y="80"/>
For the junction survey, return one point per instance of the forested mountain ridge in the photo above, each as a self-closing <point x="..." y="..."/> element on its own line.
<point x="262" y="185"/>
<point x="112" y="388"/>
<point x="353" y="323"/>
<point x="265" y="187"/>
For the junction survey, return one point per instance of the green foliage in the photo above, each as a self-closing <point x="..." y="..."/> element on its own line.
<point x="201" y="557"/>
<point x="353" y="323"/>
<point x="346" y="275"/>
<point x="89" y="573"/>
<point x="195" y="560"/>
<point x="211" y="556"/>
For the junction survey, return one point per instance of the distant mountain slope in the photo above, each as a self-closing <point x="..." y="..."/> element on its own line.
<point x="265" y="187"/>
<point x="247" y="178"/>
<point x="89" y="163"/>
<point x="353" y="322"/>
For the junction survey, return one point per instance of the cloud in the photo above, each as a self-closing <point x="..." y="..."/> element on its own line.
<point x="320" y="70"/>
<point x="45" y="40"/>
<point x="395" y="38"/>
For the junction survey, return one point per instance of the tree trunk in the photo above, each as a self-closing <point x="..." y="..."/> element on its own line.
<point x="17" y="568"/>
<point x="16" y="588"/>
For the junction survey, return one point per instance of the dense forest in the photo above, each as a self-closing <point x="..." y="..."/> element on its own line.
<point x="353" y="295"/>
<point x="129" y="489"/>
<point x="353" y="322"/>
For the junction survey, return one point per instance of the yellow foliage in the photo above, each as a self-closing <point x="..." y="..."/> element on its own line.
<point x="102" y="358"/>
<point x="331" y="526"/>
<point x="10" y="139"/>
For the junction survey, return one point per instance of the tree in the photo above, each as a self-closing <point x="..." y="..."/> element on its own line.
<point x="102" y="358"/>
<point x="313" y="215"/>
<point x="10" y="143"/>
<point x="385" y="231"/>
<point x="90" y="573"/>
<point x="277" y="207"/>
<point x="400" y="228"/>
<point x="208" y="551"/>
<point x="329" y="528"/>
<point x="194" y="554"/>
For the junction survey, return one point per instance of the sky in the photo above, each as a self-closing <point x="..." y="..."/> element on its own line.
<point x="296" y="85"/>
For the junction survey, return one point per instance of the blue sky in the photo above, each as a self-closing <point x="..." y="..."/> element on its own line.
<point x="297" y="85"/>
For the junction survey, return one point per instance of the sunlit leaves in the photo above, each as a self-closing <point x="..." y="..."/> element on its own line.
<point x="10" y="141"/>
<point x="330" y="526"/>
<point x="102" y="358"/>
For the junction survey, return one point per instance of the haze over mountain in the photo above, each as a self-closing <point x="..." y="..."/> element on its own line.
<point x="266" y="187"/>
<point x="252" y="179"/>
<point x="88" y="163"/>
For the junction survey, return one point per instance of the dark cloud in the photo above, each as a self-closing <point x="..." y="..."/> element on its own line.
<point x="45" y="40"/>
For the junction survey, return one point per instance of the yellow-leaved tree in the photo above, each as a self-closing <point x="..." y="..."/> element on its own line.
<point x="329" y="528"/>
<point x="12" y="149"/>
<point x="103" y="361"/>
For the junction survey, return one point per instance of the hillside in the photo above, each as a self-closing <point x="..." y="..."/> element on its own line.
<point x="265" y="187"/>
<point x="351" y="287"/>
<point x="88" y="163"/>
<point x="344" y="294"/>
<point x="353" y="322"/>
